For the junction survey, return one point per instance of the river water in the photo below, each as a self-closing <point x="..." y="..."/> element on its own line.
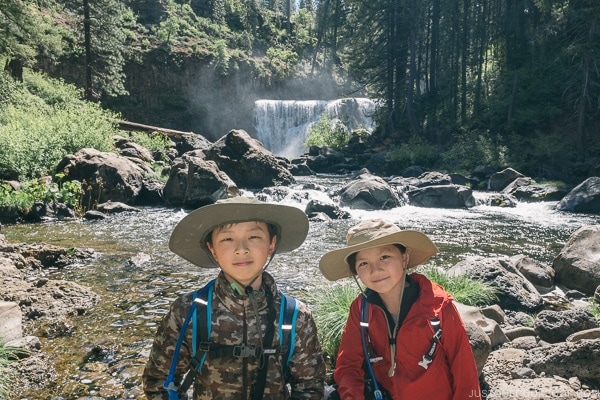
<point x="135" y="295"/>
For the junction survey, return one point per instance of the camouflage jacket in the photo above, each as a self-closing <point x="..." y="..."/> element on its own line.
<point x="223" y="377"/>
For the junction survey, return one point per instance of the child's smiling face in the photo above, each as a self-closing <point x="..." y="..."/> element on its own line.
<point x="382" y="268"/>
<point x="242" y="250"/>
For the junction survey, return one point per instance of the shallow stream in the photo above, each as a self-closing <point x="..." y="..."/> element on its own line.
<point x="137" y="277"/>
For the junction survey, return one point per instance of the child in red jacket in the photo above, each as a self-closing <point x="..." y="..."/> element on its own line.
<point x="415" y="340"/>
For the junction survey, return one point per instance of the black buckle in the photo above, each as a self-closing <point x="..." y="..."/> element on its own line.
<point x="245" y="350"/>
<point x="203" y="346"/>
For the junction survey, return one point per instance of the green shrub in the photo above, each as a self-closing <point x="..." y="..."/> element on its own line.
<point x="69" y="193"/>
<point x="416" y="151"/>
<point x="471" y="149"/>
<point x="153" y="142"/>
<point x="46" y="121"/>
<point x="324" y="133"/>
<point x="282" y="61"/>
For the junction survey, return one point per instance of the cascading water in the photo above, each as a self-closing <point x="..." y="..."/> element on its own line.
<point x="283" y="125"/>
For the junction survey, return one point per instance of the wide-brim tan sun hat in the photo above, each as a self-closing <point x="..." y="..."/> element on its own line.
<point x="188" y="238"/>
<point x="374" y="233"/>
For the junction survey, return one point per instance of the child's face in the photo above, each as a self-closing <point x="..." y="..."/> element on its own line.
<point x="242" y="250"/>
<point x="381" y="268"/>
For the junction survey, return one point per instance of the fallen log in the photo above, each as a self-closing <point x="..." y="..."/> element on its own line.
<point x="134" y="126"/>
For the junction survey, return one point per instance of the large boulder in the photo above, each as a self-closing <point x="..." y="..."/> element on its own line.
<point x="105" y="176"/>
<point x="541" y="275"/>
<point x="500" y="180"/>
<point x="577" y="265"/>
<point x="247" y="162"/>
<point x="524" y="189"/>
<point x="368" y="192"/>
<point x="568" y="359"/>
<point x="584" y="198"/>
<point x="514" y="291"/>
<point x="194" y="182"/>
<point x="10" y="317"/>
<point x="442" y="196"/>
<point x="556" y="326"/>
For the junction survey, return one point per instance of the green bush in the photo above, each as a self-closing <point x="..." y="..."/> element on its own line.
<point x="152" y="141"/>
<point x="47" y="120"/>
<point x="69" y="193"/>
<point x="326" y="134"/>
<point x="416" y="151"/>
<point x="471" y="149"/>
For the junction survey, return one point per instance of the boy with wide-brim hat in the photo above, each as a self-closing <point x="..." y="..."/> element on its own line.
<point x="418" y="346"/>
<point x="240" y="236"/>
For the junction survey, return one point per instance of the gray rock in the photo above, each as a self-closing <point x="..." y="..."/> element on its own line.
<point x="584" y="198"/>
<point x="556" y="326"/>
<point x="577" y="265"/>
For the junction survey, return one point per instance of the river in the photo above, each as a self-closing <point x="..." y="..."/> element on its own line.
<point x="135" y="295"/>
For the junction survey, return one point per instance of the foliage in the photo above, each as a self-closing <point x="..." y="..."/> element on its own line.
<point x="303" y="33"/>
<point x="327" y="133"/>
<point x="330" y="314"/>
<point x="416" y="151"/>
<point x="7" y="374"/>
<point x="154" y="142"/>
<point x="542" y="155"/>
<point x="463" y="288"/>
<point x="282" y="61"/>
<point x="98" y="44"/>
<point x="47" y="121"/>
<point x="27" y="32"/>
<point x="69" y="193"/>
<point x="595" y="309"/>
<point x="473" y="148"/>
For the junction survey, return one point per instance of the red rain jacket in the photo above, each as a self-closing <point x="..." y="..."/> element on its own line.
<point x="452" y="374"/>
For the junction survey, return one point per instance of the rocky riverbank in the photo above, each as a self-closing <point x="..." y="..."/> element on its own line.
<point x="538" y="342"/>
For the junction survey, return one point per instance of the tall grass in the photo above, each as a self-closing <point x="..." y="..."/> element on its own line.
<point x="330" y="313"/>
<point x="463" y="288"/>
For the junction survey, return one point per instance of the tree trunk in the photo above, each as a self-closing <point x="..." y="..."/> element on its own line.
<point x="88" y="50"/>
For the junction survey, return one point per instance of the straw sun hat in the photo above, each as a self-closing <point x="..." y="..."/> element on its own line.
<point x="188" y="239"/>
<point x="374" y="233"/>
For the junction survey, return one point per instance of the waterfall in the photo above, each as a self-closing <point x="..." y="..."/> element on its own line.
<point x="283" y="125"/>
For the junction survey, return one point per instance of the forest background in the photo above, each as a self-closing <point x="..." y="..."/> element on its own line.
<point x="462" y="83"/>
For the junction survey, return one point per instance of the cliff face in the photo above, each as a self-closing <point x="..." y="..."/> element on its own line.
<point x="188" y="93"/>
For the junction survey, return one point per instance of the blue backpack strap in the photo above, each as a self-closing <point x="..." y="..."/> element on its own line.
<point x="201" y="328"/>
<point x="202" y="297"/>
<point x="364" y="326"/>
<point x="288" y="314"/>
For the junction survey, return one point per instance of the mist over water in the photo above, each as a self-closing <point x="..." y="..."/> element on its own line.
<point x="283" y="125"/>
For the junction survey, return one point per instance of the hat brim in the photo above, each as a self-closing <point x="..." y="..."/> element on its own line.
<point x="334" y="264"/>
<point x="188" y="238"/>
